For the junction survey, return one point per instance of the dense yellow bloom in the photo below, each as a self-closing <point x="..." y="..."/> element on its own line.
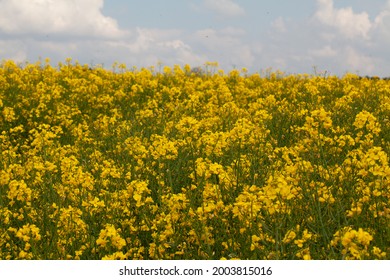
<point x="191" y="163"/>
<point x="8" y="114"/>
<point x="355" y="242"/>
<point x="28" y="232"/>
<point x="247" y="204"/>
<point x="94" y="205"/>
<point x="188" y="126"/>
<point x="4" y="178"/>
<point x="109" y="169"/>
<point x="19" y="191"/>
<point x="367" y="120"/>
<point x="139" y="190"/>
<point x="109" y="236"/>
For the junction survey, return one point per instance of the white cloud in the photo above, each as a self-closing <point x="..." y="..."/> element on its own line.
<point x="347" y="22"/>
<point x="13" y="49"/>
<point x="226" y="8"/>
<point x="219" y="39"/>
<point x="57" y="17"/>
<point x="227" y="46"/>
<point x="351" y="41"/>
<point x="382" y="23"/>
<point x="150" y="46"/>
<point x="358" y="61"/>
<point x="179" y="52"/>
<point x="326" y="51"/>
<point x="335" y="39"/>
<point x="279" y="25"/>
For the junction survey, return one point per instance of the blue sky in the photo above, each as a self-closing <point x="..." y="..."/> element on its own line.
<point x="336" y="36"/>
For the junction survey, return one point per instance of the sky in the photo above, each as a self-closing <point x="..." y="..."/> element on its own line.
<point x="303" y="36"/>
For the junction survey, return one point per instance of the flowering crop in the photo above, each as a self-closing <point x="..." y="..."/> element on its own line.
<point x="140" y="164"/>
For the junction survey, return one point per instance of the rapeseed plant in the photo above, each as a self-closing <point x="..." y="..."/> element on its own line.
<point x="177" y="164"/>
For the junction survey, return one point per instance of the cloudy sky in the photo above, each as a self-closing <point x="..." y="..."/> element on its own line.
<point x="336" y="36"/>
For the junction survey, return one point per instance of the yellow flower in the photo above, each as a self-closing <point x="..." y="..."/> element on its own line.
<point x="289" y="236"/>
<point x="162" y="148"/>
<point x="115" y="256"/>
<point x="23" y="255"/>
<point x="140" y="192"/>
<point x="255" y="242"/>
<point x="9" y="114"/>
<point x="378" y="253"/>
<point x="28" y="232"/>
<point x="363" y="237"/>
<point x="18" y="191"/>
<point x="109" y="236"/>
<point x="4" y="177"/>
<point x="355" y="243"/>
<point x="366" y="119"/>
<point x="299" y="242"/>
<point x="304" y="254"/>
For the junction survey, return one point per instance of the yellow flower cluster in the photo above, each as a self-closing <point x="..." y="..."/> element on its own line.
<point x="191" y="163"/>
<point x="355" y="244"/>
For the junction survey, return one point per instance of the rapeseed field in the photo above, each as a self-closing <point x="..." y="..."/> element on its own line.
<point x="182" y="164"/>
